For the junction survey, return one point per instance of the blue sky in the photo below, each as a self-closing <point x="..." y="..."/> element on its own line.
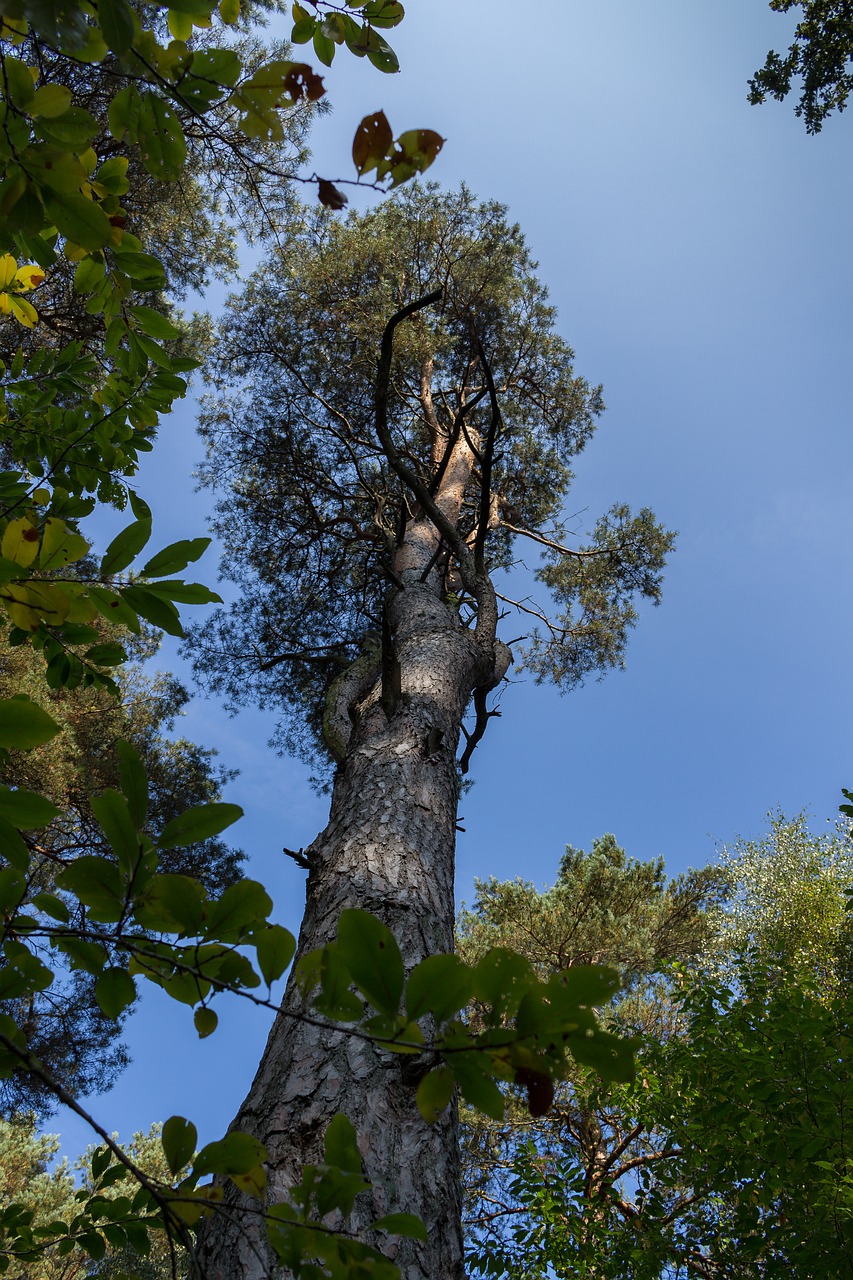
<point x="698" y="251"/>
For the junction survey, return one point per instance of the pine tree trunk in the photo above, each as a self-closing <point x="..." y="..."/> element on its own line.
<point x="388" y="849"/>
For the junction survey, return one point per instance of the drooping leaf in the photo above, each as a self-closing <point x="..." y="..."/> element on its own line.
<point x="154" y="609"/>
<point x="275" y="949"/>
<point x="341" y="1146"/>
<point x="370" y="952"/>
<point x="440" y="985"/>
<point x="179" y="1138"/>
<point x="435" y="1092"/>
<point x="205" y="1021"/>
<point x="113" y="812"/>
<point x="114" y="992"/>
<point x="133" y="781"/>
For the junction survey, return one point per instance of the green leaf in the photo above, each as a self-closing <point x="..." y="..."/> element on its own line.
<point x="113" y="608"/>
<point x="125" y="546"/>
<point x="475" y="1085"/>
<point x="154" y="609"/>
<point x="275" y="949"/>
<point x="243" y="905"/>
<point x="199" y="823"/>
<point x="144" y="269"/>
<point x="52" y="906"/>
<point x="98" y="885"/>
<point x="401" y="1224"/>
<point x="177" y="556"/>
<point x="501" y="979"/>
<point x="179" y="1138"/>
<point x="113" y="813"/>
<point x="161" y="139"/>
<point x="156" y="326"/>
<point x="171" y="904"/>
<point x="80" y="220"/>
<point x="123" y="113"/>
<point x="435" y="1092"/>
<point x="26" y="810"/>
<point x="13" y="888"/>
<point x="184" y="592"/>
<point x="206" y="1022"/>
<point x="371" y="954"/>
<point x="440" y="985"/>
<point x="588" y="984"/>
<point x="235" y="1153"/>
<point x="115" y="18"/>
<point x="114" y="992"/>
<point x="50" y="100"/>
<point x="133" y="782"/>
<point x="106" y="655"/>
<point x="89" y="275"/>
<point x="23" y="725"/>
<point x="341" y="1147"/>
<point x="611" y="1056"/>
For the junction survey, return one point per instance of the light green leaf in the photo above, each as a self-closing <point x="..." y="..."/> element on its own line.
<point x="235" y="1153"/>
<point x="154" y="323"/>
<point x="23" y="725"/>
<point x="50" y="100"/>
<point x="199" y="823"/>
<point x="161" y="138"/>
<point x="26" y="810"/>
<point x="401" y="1224"/>
<point x="80" y="220"/>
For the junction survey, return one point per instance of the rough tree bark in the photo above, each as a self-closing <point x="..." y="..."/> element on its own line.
<point x="389" y="849"/>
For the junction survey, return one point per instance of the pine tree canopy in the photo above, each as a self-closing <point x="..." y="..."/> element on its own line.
<point x="484" y="417"/>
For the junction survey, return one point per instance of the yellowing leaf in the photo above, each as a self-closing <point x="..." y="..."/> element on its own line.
<point x="34" y="603"/>
<point x="8" y="267"/>
<point x="13" y="29"/>
<point x="60" y="545"/>
<point x="180" y="24"/>
<point x="50" y="100"/>
<point x="20" y="542"/>
<point x="229" y="11"/>
<point x="24" y="312"/>
<point x="29" y="277"/>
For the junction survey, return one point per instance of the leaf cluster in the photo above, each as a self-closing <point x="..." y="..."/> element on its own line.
<point x="820" y="54"/>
